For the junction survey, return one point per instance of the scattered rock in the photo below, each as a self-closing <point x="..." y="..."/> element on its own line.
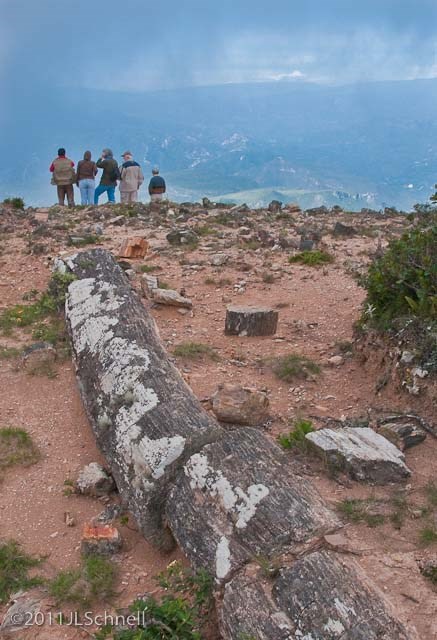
<point x="103" y="540"/>
<point x="336" y="361"/>
<point x="364" y="454"/>
<point x="38" y="356"/>
<point x="171" y="298"/>
<point x="182" y="236"/>
<point x="240" y="405"/>
<point x="111" y="513"/>
<point x="94" y="481"/>
<point x="275" y="206"/>
<point x="148" y="284"/>
<point x="20" y="614"/>
<point x="403" y="434"/>
<point x="306" y="244"/>
<point x="344" y="230"/>
<point x="219" y="259"/>
<point x="135" y="247"/>
<point x="250" y="321"/>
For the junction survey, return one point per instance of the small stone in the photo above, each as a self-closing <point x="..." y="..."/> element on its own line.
<point x="101" y="539"/>
<point x="94" y="481"/>
<point x="240" y="405"/>
<point x="404" y="435"/>
<point x="171" y="298"/>
<point x="179" y="237"/>
<point x="336" y="361"/>
<point x="219" y="259"/>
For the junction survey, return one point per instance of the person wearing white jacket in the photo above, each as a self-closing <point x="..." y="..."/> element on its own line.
<point x="131" y="179"/>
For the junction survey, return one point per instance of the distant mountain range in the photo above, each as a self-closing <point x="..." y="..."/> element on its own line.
<point x="358" y="145"/>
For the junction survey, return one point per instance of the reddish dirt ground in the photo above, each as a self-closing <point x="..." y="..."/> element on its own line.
<point x="317" y="310"/>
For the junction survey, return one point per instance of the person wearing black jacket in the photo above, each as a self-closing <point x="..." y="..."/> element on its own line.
<point x="157" y="186"/>
<point x="110" y="175"/>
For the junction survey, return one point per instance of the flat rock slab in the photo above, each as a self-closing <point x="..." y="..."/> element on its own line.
<point x="365" y="455"/>
<point x="170" y="298"/>
<point x="320" y="597"/>
<point x="239" y="498"/>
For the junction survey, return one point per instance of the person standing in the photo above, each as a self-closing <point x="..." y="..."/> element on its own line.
<point x="131" y="179"/>
<point x="63" y="176"/>
<point x="157" y="186"/>
<point x="109" y="178"/>
<point x="86" y="172"/>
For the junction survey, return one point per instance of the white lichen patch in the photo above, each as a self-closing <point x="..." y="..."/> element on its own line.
<point x="222" y="558"/>
<point x="344" y="610"/>
<point x="121" y="372"/>
<point x="87" y="310"/>
<point x="234" y="499"/>
<point x="335" y="627"/>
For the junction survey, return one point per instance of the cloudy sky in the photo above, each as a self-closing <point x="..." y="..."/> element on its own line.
<point x="143" y="45"/>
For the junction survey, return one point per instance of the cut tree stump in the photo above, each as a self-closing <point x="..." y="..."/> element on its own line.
<point x="320" y="597"/>
<point x="135" y="247"/>
<point x="239" y="498"/>
<point x="250" y="321"/>
<point x="146" y="419"/>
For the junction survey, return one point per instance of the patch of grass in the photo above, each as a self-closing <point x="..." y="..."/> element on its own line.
<point x="268" y="278"/>
<point x="355" y="510"/>
<point x="48" y="304"/>
<point x="344" y="346"/>
<point x="15" y="203"/>
<point x="295" y="439"/>
<point x="293" y="366"/>
<point x="431" y="493"/>
<point x="14" y="570"/>
<point x="194" y="350"/>
<point x="428" y="535"/>
<point x="9" y="352"/>
<point x="312" y="258"/>
<point x="85" y="240"/>
<point x="94" y="581"/>
<point x="205" y="230"/>
<point x="430" y="572"/>
<point x="222" y="282"/>
<point x="399" y="513"/>
<point x="16" y="448"/>
<point x="149" y="268"/>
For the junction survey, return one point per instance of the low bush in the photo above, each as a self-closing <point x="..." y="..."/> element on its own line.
<point x="16" y="203"/>
<point x="295" y="439"/>
<point x="14" y="570"/>
<point x="312" y="258"/>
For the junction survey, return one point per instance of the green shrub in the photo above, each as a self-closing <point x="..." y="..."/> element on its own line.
<point x="312" y="258"/>
<point x="294" y="366"/>
<point x="403" y="282"/>
<point x="14" y="569"/>
<point x="94" y="581"/>
<point x="16" y="447"/>
<point x="16" y="203"/>
<point x="181" y="614"/>
<point x="194" y="350"/>
<point x="295" y="439"/>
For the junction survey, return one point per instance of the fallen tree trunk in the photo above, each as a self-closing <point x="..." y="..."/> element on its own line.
<point x="145" y="418"/>
<point x="228" y="496"/>
<point x="240" y="498"/>
<point x="320" y="597"/>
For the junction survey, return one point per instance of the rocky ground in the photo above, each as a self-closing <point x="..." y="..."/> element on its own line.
<point x="236" y="256"/>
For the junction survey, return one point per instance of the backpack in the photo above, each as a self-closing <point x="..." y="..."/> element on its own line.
<point x="63" y="173"/>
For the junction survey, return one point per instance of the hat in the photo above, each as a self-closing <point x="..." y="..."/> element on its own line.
<point x="126" y="153"/>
